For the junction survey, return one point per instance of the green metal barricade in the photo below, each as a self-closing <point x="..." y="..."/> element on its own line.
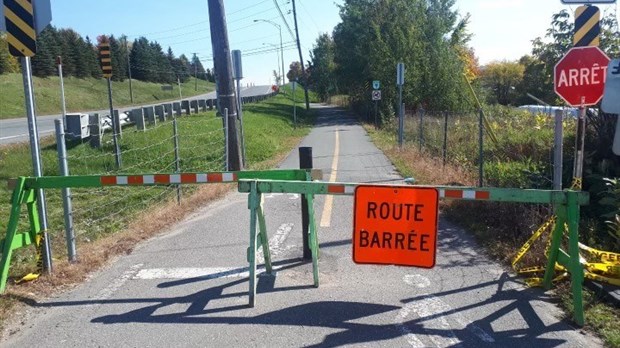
<point x="566" y="205"/>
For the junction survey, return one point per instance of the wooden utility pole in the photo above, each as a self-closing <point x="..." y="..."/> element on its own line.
<point x="224" y="82"/>
<point x="301" y="58"/>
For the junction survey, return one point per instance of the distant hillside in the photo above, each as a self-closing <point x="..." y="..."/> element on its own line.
<point x="85" y="94"/>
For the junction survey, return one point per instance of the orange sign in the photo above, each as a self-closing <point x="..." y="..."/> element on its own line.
<point x="395" y="225"/>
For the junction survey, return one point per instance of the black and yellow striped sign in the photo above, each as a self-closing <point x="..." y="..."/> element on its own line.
<point x="105" y="59"/>
<point x="587" y="26"/>
<point x="21" y="35"/>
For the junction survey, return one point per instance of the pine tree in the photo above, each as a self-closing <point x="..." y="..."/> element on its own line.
<point x="92" y="60"/>
<point x="44" y="61"/>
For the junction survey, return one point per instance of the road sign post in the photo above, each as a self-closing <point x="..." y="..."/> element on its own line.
<point x="105" y="58"/>
<point x="395" y="225"/>
<point x="19" y="21"/>
<point x="400" y="81"/>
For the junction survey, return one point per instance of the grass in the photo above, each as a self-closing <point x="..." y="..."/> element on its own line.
<point x="85" y="94"/>
<point x="109" y="222"/>
<point x="501" y="228"/>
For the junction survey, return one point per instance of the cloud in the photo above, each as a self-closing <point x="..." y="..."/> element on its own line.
<point x="500" y="4"/>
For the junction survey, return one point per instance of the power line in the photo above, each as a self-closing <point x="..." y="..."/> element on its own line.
<point x="284" y="19"/>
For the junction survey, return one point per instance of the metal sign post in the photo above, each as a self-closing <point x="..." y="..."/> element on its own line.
<point x="376" y="96"/>
<point x="19" y="18"/>
<point x="400" y="81"/>
<point x="62" y="92"/>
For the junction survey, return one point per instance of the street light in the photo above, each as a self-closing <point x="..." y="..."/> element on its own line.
<point x="281" y="49"/>
<point x="281" y="72"/>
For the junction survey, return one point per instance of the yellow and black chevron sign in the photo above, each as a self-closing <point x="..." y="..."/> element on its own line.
<point x="587" y="26"/>
<point x="105" y="59"/>
<point x="21" y="35"/>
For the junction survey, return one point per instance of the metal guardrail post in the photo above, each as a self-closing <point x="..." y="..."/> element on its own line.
<point x="305" y="162"/>
<point x="66" y="192"/>
<point x="444" y="153"/>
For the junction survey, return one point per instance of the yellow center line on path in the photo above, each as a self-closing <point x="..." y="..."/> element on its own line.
<point x="326" y="216"/>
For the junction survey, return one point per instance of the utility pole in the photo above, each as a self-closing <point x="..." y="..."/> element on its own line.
<point x="223" y="72"/>
<point x="195" y="72"/>
<point x="301" y="58"/>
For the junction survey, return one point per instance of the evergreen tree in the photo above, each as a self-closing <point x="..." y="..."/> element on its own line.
<point x="44" y="61"/>
<point x="92" y="59"/>
<point x="119" y="59"/>
<point x="197" y="69"/>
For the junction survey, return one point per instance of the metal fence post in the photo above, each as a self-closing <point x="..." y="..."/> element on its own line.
<point x="557" y="151"/>
<point x="226" y="138"/>
<point x="445" y="137"/>
<point x="66" y="192"/>
<point x="177" y="157"/>
<point x="305" y="162"/>
<point x="481" y="149"/>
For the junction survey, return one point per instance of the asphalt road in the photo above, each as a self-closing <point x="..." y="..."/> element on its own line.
<point x="16" y="129"/>
<point x="189" y="286"/>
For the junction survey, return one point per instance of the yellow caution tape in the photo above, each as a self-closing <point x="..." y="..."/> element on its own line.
<point x="528" y="244"/>
<point x="604" y="256"/>
<point x="602" y="279"/>
<point x="28" y="277"/>
<point x="39" y="243"/>
<point x="603" y="269"/>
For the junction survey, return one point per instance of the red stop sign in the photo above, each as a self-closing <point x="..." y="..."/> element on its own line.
<point x="581" y="73"/>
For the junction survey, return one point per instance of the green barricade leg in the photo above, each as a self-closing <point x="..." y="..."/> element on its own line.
<point x="264" y="239"/>
<point x="554" y="249"/>
<point x="10" y="243"/>
<point x="253" y="203"/>
<point x="313" y="240"/>
<point x="574" y="266"/>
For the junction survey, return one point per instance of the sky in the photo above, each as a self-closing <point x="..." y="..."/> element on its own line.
<point x="502" y="29"/>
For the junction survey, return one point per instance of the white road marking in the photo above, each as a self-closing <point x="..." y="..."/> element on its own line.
<point x="25" y="135"/>
<point x="275" y="246"/>
<point x="109" y="290"/>
<point x="275" y="243"/>
<point x="326" y="216"/>
<point x="188" y="273"/>
<point x="434" y="312"/>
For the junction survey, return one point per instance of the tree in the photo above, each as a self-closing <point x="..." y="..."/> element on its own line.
<point x="197" y="69"/>
<point x="92" y="59"/>
<point x="44" y="61"/>
<point x="322" y="67"/>
<point x="374" y="36"/>
<point x="502" y="79"/>
<point x="8" y="63"/>
<point x="295" y="73"/>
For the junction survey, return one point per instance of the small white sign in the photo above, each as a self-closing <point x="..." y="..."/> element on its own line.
<point x="611" y="95"/>
<point x="376" y="95"/>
